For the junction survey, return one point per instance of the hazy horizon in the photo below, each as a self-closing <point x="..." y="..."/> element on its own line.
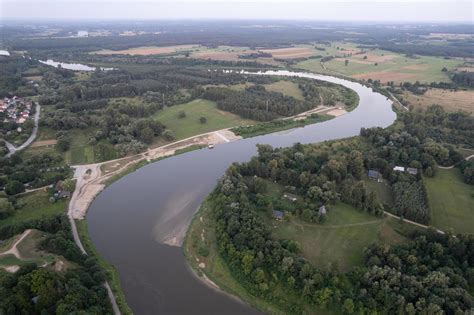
<point x="394" y="11"/>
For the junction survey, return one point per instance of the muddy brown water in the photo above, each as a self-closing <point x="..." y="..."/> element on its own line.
<point x="131" y="220"/>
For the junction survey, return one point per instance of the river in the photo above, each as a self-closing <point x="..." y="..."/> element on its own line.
<point x="130" y="220"/>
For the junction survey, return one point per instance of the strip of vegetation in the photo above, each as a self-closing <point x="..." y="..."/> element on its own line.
<point x="278" y="125"/>
<point x="68" y="288"/>
<point x="110" y="271"/>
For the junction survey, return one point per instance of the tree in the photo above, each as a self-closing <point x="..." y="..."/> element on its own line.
<point x="348" y="306"/>
<point x="14" y="187"/>
<point x="69" y="185"/>
<point x="202" y="120"/>
<point x="63" y="144"/>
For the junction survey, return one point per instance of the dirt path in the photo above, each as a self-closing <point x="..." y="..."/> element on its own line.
<point x="413" y="222"/>
<point x="452" y="166"/>
<point x="13" y="249"/>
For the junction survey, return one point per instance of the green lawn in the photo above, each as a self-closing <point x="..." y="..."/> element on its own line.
<point x="382" y="190"/>
<point x="451" y="201"/>
<point x="335" y="241"/>
<point x="34" y="206"/>
<point x="287" y="88"/>
<point x="190" y="125"/>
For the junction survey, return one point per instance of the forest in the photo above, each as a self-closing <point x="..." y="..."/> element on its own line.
<point x="37" y="290"/>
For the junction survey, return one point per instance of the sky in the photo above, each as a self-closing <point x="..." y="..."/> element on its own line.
<point x="322" y="10"/>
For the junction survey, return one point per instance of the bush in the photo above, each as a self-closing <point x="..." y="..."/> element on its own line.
<point x="14" y="187"/>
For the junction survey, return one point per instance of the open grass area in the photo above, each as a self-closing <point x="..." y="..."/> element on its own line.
<point x="34" y="206"/>
<point x="190" y="125"/>
<point x="341" y="240"/>
<point x="81" y="152"/>
<point x="450" y="100"/>
<point x="110" y="271"/>
<point x="382" y="65"/>
<point x="287" y="88"/>
<point x="451" y="201"/>
<point x="382" y="190"/>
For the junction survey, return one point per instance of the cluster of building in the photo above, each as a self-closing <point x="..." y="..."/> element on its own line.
<point x="15" y="109"/>
<point x="376" y="175"/>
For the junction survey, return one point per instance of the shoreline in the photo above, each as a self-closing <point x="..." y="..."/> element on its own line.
<point x="100" y="178"/>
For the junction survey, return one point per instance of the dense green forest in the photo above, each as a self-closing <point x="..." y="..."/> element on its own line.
<point x="430" y="272"/>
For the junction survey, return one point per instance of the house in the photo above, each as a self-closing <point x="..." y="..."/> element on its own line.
<point x="399" y="169"/>
<point x="64" y="194"/>
<point x="375" y="175"/>
<point x="412" y="170"/>
<point x="290" y="197"/>
<point x="277" y="215"/>
<point x="322" y="210"/>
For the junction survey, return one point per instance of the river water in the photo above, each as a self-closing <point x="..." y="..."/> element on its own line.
<point x="129" y="221"/>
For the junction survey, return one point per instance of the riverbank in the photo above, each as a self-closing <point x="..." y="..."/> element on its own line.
<point x="375" y="114"/>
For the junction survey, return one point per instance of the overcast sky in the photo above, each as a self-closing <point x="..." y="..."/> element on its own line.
<point x="324" y="10"/>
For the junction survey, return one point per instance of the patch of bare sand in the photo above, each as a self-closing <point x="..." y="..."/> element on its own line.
<point x="174" y="219"/>
<point x="44" y="143"/>
<point x="12" y="269"/>
<point x="337" y="112"/>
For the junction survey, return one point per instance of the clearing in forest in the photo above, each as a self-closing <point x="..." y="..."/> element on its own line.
<point x="451" y="201"/>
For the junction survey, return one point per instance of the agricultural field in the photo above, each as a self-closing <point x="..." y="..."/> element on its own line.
<point x="385" y="66"/>
<point x="450" y="100"/>
<point x="33" y="206"/>
<point x="451" y="201"/>
<point x="150" y="50"/>
<point x="382" y="190"/>
<point x="190" y="124"/>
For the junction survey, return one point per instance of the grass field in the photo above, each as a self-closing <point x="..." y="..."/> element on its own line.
<point x="383" y="191"/>
<point x="148" y="50"/>
<point x="451" y="201"/>
<point x="34" y="206"/>
<point x="287" y="88"/>
<point x="190" y="125"/>
<point x="390" y="66"/>
<point x="341" y="239"/>
<point x="450" y="100"/>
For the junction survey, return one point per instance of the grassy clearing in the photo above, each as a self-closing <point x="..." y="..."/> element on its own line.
<point x="340" y="241"/>
<point x="34" y="206"/>
<point x="81" y="152"/>
<point x="450" y="100"/>
<point x="393" y="67"/>
<point x="287" y="88"/>
<point x="451" y="201"/>
<point x="278" y="125"/>
<point x="111" y="272"/>
<point x="190" y="125"/>
<point x="382" y="190"/>
<point x="390" y="66"/>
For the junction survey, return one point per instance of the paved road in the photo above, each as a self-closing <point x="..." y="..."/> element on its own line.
<point x="30" y="140"/>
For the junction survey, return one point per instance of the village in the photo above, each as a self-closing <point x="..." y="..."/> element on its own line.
<point x="15" y="110"/>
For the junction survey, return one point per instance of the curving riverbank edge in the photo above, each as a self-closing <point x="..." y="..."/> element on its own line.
<point x="145" y="157"/>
